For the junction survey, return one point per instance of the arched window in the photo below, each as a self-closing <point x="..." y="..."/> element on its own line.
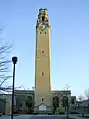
<point x="65" y="101"/>
<point x="56" y="101"/>
<point x="72" y="101"/>
<point x="43" y="18"/>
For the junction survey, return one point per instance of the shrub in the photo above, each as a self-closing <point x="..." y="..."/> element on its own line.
<point x="61" y="112"/>
<point x="74" y="113"/>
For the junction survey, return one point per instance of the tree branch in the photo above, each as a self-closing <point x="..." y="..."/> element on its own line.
<point x="4" y="62"/>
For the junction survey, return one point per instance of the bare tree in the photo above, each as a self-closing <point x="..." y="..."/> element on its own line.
<point x="4" y="62"/>
<point x="80" y="98"/>
<point x="87" y="97"/>
<point x="87" y="93"/>
<point x="66" y="99"/>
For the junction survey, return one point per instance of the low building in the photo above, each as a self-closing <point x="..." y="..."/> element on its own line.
<point x="5" y="104"/>
<point x="22" y="97"/>
<point x="24" y="101"/>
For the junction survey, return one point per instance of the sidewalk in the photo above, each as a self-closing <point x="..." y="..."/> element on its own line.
<point x="76" y="116"/>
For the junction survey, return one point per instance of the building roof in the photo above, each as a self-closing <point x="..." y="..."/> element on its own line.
<point x="61" y="91"/>
<point x="32" y="91"/>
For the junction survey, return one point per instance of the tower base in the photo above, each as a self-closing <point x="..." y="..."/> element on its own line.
<point x="42" y="109"/>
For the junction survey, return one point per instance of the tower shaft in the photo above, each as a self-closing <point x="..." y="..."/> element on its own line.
<point x="42" y="66"/>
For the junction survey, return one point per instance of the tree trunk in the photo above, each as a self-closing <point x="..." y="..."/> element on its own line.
<point x="88" y="107"/>
<point x="67" y="112"/>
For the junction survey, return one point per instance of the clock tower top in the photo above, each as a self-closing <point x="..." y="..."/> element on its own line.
<point x="42" y="17"/>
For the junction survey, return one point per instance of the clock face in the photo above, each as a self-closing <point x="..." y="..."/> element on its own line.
<point x="42" y="26"/>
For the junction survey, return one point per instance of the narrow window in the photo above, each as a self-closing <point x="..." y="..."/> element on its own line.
<point x="42" y="73"/>
<point x="42" y="99"/>
<point x="42" y="51"/>
<point x="40" y="32"/>
<point x="45" y="32"/>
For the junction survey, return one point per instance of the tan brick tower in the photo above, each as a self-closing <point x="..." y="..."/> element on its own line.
<point x="42" y="66"/>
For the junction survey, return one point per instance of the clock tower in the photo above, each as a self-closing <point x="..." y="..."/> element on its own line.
<point x="42" y="63"/>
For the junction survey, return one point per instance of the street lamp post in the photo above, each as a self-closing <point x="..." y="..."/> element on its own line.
<point x="14" y="60"/>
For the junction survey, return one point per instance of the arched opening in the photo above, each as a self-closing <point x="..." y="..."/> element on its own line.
<point x="29" y="104"/>
<point x="43" y="18"/>
<point x="55" y="103"/>
<point x="65" y="101"/>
